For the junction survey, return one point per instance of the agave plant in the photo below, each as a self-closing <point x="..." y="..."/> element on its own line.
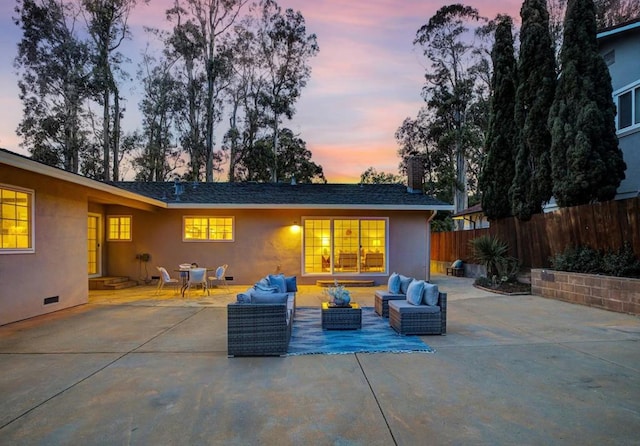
<point x="490" y="252"/>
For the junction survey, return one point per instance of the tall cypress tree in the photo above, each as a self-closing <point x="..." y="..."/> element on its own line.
<point x="587" y="163"/>
<point x="532" y="184"/>
<point x="498" y="165"/>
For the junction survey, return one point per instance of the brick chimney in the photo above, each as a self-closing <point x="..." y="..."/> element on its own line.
<point x="415" y="175"/>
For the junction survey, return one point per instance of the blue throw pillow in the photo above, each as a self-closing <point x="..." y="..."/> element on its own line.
<point x="263" y="282"/>
<point x="291" y="284"/>
<point x="394" y="283"/>
<point x="430" y="294"/>
<point x="404" y="283"/>
<point x="278" y="280"/>
<point x="269" y="298"/>
<point x="457" y="264"/>
<point x="414" y="292"/>
<point x="266" y="288"/>
<point x="244" y="298"/>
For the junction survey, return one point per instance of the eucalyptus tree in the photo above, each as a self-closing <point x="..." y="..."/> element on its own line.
<point x="419" y="137"/>
<point x="587" y="164"/>
<point x="450" y="88"/>
<point x="498" y="167"/>
<point x="108" y="26"/>
<point x="199" y="27"/>
<point x="532" y="184"/>
<point x="54" y="68"/>
<point x="162" y="100"/>
<point x="285" y="50"/>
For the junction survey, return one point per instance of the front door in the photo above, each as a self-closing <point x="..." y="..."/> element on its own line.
<point x="94" y="242"/>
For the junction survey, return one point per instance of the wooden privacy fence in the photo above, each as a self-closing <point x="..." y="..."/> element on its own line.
<point x="604" y="226"/>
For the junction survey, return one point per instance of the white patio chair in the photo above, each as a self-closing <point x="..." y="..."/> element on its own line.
<point x="198" y="277"/>
<point x="164" y="279"/>
<point x="219" y="278"/>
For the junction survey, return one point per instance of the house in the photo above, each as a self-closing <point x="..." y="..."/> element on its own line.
<point x="620" y="48"/>
<point x="472" y="218"/>
<point x="59" y="229"/>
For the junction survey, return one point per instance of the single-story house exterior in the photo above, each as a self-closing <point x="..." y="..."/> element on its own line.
<point x="59" y="229"/>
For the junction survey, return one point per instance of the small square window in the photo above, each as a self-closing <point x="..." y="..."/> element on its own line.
<point x="119" y="228"/>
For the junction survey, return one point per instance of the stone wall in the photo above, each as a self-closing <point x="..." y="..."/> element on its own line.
<point x="618" y="294"/>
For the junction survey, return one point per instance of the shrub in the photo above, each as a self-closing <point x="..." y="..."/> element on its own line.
<point x="490" y="252"/>
<point x="621" y="263"/>
<point x="583" y="259"/>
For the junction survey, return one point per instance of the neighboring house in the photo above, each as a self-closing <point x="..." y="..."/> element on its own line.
<point x="59" y="229"/>
<point x="472" y="218"/>
<point x="620" y="47"/>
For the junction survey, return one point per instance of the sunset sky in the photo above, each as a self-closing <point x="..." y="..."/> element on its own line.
<point x="365" y="80"/>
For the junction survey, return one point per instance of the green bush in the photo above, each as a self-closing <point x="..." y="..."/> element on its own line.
<point x="583" y="259"/>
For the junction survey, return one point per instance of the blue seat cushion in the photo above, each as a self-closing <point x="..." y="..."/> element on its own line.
<point x="385" y="295"/>
<point x="269" y="298"/>
<point x="402" y="306"/>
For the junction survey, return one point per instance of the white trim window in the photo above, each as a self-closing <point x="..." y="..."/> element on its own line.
<point x="627" y="101"/>
<point x="119" y="228"/>
<point x="207" y="229"/>
<point x="16" y="220"/>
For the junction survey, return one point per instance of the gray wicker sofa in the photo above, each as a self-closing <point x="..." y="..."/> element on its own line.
<point x="412" y="306"/>
<point x="259" y="323"/>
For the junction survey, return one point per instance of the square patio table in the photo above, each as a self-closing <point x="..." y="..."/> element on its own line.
<point x="341" y="318"/>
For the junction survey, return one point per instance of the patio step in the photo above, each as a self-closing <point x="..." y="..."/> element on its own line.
<point x="111" y="283"/>
<point x="345" y="283"/>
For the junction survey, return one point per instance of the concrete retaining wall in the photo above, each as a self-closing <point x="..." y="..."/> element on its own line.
<point x="618" y="294"/>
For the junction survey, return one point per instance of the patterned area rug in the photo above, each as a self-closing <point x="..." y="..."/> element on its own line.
<point x="308" y="337"/>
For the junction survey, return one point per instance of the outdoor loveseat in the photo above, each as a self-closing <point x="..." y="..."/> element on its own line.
<point x="412" y="306"/>
<point x="259" y="323"/>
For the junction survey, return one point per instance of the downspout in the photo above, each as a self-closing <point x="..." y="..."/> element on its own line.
<point x="428" y="272"/>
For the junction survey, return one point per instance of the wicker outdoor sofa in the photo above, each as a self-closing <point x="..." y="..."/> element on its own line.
<point x="412" y="311"/>
<point x="259" y="323"/>
<point x="408" y="319"/>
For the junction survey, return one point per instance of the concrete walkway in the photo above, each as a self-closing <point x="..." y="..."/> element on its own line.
<point x="153" y="371"/>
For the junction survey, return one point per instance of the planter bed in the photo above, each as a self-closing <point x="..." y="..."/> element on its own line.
<point x="619" y="294"/>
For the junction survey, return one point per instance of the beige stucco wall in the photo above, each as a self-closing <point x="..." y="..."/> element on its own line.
<point x="264" y="243"/>
<point x="59" y="265"/>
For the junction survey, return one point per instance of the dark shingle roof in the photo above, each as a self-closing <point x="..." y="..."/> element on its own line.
<point x="285" y="195"/>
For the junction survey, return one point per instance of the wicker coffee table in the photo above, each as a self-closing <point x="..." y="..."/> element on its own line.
<point x="341" y="318"/>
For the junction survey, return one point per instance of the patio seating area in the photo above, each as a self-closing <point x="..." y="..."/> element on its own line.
<point x="139" y="368"/>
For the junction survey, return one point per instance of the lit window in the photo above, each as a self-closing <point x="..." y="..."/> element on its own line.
<point x="16" y="220"/>
<point x="119" y="228"/>
<point x="628" y="104"/>
<point x="345" y="245"/>
<point x="216" y="229"/>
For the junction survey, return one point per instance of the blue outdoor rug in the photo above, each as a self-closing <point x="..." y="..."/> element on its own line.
<point x="308" y="337"/>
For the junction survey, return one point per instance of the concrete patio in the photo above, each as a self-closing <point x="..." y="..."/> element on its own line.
<point x="134" y="368"/>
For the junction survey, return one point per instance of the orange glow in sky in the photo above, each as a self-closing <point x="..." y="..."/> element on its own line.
<point x="365" y="80"/>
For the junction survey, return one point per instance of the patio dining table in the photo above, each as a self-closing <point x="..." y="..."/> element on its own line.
<point x="184" y="275"/>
